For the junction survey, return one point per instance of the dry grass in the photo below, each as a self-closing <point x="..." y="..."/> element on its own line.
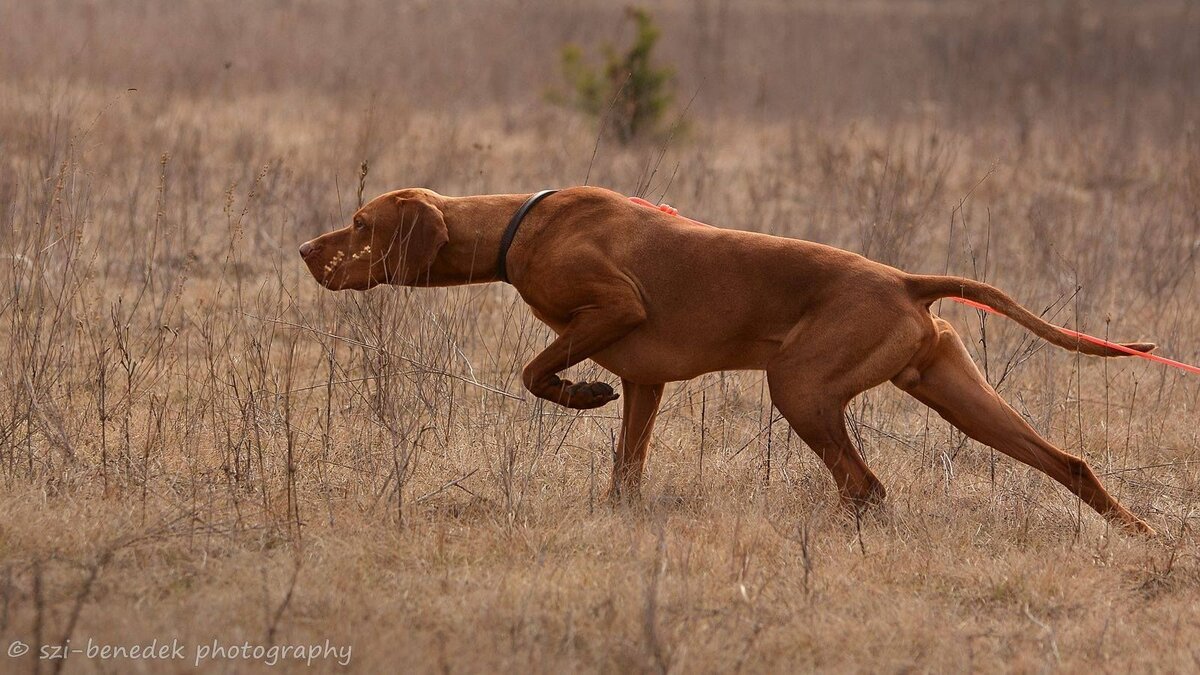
<point x="197" y="443"/>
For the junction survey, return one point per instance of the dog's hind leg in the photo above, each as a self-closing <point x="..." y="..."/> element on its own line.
<point x="819" y="421"/>
<point x="637" y="422"/>
<point x="946" y="380"/>
<point x="818" y="370"/>
<point x="810" y="398"/>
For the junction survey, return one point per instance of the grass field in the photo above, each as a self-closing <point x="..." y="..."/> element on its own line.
<point x="199" y="444"/>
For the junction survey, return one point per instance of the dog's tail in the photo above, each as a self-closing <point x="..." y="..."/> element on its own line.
<point x="927" y="288"/>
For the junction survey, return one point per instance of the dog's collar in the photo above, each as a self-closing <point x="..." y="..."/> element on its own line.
<point x="510" y="232"/>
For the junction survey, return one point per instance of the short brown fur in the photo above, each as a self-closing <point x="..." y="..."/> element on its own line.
<point x="656" y="298"/>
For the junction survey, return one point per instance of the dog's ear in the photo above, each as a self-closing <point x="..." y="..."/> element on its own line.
<point x="423" y="232"/>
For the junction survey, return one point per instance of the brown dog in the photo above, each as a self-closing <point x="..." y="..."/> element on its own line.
<point x="656" y="298"/>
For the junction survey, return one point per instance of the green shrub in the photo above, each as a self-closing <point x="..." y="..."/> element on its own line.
<point x="629" y="93"/>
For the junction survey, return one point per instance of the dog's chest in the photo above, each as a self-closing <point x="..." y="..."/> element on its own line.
<point x="556" y="323"/>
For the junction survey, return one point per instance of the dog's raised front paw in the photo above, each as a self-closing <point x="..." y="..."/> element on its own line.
<point x="587" y="395"/>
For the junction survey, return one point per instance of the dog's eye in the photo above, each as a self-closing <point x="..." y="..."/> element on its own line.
<point x="360" y="223"/>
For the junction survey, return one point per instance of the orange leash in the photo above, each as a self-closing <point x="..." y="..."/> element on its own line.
<point x="1094" y="340"/>
<point x="978" y="305"/>
<point x="665" y="208"/>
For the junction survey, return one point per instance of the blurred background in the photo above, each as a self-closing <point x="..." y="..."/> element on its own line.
<point x="962" y="63"/>
<point x="186" y="416"/>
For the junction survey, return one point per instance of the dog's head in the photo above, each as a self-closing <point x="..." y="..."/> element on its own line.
<point x="393" y="239"/>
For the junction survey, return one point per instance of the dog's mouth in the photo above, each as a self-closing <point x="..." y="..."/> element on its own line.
<point x="339" y="271"/>
<point x="334" y="265"/>
<point x="337" y="276"/>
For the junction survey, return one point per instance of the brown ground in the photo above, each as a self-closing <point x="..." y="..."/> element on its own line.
<point x="197" y="443"/>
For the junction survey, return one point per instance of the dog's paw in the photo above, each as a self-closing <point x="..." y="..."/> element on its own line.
<point x="625" y="496"/>
<point x="587" y="395"/>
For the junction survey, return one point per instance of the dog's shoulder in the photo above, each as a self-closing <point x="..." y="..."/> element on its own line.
<point x="590" y="197"/>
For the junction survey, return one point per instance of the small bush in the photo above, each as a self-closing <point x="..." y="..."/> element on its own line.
<point x="637" y="91"/>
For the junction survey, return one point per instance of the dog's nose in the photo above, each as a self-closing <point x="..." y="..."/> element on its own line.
<point x="306" y="248"/>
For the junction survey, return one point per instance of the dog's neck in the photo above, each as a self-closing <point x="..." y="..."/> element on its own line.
<point x="475" y="226"/>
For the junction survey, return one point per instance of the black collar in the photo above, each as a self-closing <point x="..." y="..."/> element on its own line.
<point x="510" y="232"/>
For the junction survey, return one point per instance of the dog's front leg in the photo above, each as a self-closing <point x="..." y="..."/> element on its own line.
<point x="589" y="331"/>
<point x="641" y="407"/>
